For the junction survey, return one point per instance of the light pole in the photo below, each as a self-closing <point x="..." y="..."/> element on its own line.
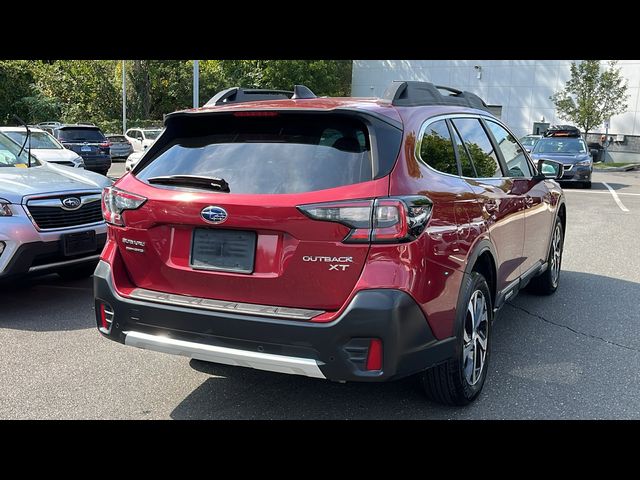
<point x="124" y="99"/>
<point x="196" y="83"/>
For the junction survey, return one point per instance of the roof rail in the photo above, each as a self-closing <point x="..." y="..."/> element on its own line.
<point x="240" y="95"/>
<point x="412" y="94"/>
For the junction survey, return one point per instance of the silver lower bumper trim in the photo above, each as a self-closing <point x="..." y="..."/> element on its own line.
<point x="64" y="263"/>
<point x="228" y="356"/>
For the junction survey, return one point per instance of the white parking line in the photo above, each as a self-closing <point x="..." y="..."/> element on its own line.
<point x="616" y="197"/>
<point x="602" y="192"/>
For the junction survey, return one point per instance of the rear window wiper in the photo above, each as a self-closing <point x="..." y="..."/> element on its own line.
<point x="209" y="183"/>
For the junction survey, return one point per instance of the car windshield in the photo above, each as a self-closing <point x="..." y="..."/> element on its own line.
<point x="39" y="140"/>
<point x="151" y="134"/>
<point x="528" y="141"/>
<point x="9" y="154"/>
<point x="560" y="145"/>
<point x="81" y="135"/>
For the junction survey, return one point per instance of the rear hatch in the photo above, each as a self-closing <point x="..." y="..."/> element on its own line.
<point x="88" y="142"/>
<point x="247" y="234"/>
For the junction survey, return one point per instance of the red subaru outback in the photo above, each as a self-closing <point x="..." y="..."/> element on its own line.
<point x="342" y="238"/>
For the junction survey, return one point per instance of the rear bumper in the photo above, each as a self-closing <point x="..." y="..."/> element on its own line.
<point x="335" y="350"/>
<point x="97" y="163"/>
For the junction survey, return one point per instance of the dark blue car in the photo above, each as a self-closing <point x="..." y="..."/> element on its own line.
<point x="88" y="142"/>
<point x="565" y="145"/>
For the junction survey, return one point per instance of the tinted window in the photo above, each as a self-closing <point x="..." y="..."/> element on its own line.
<point x="117" y="138"/>
<point x="268" y="155"/>
<point x="479" y="146"/>
<point x="465" y="162"/>
<point x="436" y="149"/>
<point x="80" y="135"/>
<point x="513" y="155"/>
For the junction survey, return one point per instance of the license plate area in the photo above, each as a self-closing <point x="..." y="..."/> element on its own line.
<point x="79" y="243"/>
<point x="85" y="148"/>
<point x="223" y="250"/>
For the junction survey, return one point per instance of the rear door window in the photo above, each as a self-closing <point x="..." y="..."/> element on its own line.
<point x="288" y="153"/>
<point x="479" y="147"/>
<point x="436" y="149"/>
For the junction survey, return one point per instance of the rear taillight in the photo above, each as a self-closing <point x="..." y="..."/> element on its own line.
<point x="105" y="145"/>
<point x="116" y="201"/>
<point x="382" y="220"/>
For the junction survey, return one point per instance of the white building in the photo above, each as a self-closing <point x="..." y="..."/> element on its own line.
<point x="521" y="87"/>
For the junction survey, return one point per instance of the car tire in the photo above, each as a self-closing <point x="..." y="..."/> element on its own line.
<point x="77" y="273"/>
<point x="459" y="380"/>
<point x="547" y="282"/>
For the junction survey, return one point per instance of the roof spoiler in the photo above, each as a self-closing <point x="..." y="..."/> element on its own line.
<point x="241" y="95"/>
<point x="412" y="94"/>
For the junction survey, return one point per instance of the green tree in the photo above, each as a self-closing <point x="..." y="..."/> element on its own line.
<point x="323" y="77"/>
<point x="16" y="80"/>
<point x="591" y="95"/>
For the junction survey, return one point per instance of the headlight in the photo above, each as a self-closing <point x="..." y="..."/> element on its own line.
<point x="584" y="163"/>
<point x="5" y="209"/>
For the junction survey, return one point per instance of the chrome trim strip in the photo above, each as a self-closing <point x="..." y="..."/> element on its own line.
<point x="57" y="201"/>
<point x="224" y="306"/>
<point x="227" y="356"/>
<point x="64" y="263"/>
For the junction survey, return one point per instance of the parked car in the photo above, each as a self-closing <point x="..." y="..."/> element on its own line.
<point x="44" y="146"/>
<point x="347" y="239"/>
<point x="563" y="143"/>
<point x="528" y="141"/>
<point x="50" y="216"/>
<point x="132" y="160"/>
<point x="142" y="137"/>
<point x="89" y="142"/>
<point x="120" y="146"/>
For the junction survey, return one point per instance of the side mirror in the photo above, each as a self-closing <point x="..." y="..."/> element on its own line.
<point x="549" y="169"/>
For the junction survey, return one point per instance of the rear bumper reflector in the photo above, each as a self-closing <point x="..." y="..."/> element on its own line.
<point x="228" y="356"/>
<point x="224" y="306"/>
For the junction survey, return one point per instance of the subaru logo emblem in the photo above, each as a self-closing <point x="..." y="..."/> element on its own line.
<point x="214" y="214"/>
<point x="71" y="203"/>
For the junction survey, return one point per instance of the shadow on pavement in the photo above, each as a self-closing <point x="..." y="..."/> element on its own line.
<point x="534" y="364"/>
<point x="46" y="303"/>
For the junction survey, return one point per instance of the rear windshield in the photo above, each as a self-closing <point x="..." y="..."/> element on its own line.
<point x="81" y="135"/>
<point x="290" y="153"/>
<point x="39" y="140"/>
<point x="117" y="138"/>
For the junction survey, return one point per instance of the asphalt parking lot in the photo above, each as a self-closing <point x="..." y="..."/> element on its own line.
<point x="575" y="355"/>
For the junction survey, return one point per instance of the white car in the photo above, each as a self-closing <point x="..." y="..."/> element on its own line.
<point x="141" y="138"/>
<point x="133" y="159"/>
<point x="44" y="146"/>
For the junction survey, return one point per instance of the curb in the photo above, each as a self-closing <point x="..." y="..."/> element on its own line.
<point x="628" y="168"/>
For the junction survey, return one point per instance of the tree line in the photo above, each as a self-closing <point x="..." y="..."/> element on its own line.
<point x="72" y="91"/>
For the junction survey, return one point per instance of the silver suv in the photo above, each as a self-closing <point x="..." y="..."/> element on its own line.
<point x="50" y="216"/>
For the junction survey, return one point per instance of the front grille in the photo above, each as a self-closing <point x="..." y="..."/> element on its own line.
<point x="56" y="217"/>
<point x="567" y="167"/>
